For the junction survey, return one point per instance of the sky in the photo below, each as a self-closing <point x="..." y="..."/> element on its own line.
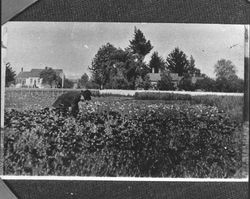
<point x="71" y="46"/>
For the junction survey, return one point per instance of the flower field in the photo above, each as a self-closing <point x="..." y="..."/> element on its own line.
<point x="119" y="136"/>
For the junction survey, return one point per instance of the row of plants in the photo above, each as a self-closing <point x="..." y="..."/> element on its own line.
<point x="161" y="96"/>
<point x="233" y="105"/>
<point x="123" y="138"/>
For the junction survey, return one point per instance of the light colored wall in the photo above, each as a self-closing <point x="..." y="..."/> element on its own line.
<point x="31" y="80"/>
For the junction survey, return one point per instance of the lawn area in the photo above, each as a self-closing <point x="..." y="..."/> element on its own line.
<point x="122" y="136"/>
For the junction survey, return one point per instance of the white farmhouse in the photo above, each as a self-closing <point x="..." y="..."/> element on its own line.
<point x="31" y="79"/>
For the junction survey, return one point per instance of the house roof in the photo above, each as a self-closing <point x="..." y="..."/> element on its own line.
<point x="23" y="75"/>
<point x="35" y="73"/>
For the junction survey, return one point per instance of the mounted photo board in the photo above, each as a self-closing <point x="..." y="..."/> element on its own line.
<point x="22" y="17"/>
<point x="10" y="8"/>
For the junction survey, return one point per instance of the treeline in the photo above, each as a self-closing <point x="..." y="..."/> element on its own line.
<point x="116" y="68"/>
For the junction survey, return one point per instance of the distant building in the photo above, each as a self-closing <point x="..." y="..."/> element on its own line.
<point x="155" y="76"/>
<point x="31" y="79"/>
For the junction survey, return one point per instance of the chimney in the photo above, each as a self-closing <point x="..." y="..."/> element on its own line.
<point x="22" y="69"/>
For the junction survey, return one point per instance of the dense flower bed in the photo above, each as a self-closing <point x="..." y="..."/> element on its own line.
<point x="123" y="138"/>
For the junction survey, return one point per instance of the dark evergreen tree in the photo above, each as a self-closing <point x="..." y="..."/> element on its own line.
<point x="139" y="44"/>
<point x="192" y="69"/>
<point x="157" y="63"/>
<point x="10" y="75"/>
<point x="177" y="62"/>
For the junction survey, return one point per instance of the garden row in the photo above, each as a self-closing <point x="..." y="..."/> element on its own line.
<point x="124" y="138"/>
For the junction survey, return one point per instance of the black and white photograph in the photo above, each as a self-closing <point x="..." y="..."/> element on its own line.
<point x="146" y="100"/>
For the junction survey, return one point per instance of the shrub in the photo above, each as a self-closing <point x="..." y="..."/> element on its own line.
<point x="166" y="82"/>
<point x="123" y="139"/>
<point x="206" y="84"/>
<point x="186" y="84"/>
<point x="233" y="105"/>
<point x="161" y="96"/>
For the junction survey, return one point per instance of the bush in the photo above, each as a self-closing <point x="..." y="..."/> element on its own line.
<point x="161" y="96"/>
<point x="233" y="105"/>
<point x="122" y="139"/>
<point x="233" y="84"/>
<point x="206" y="84"/>
<point x="166" y="82"/>
<point x="186" y="84"/>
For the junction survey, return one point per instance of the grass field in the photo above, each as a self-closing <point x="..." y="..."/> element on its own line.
<point x="124" y="136"/>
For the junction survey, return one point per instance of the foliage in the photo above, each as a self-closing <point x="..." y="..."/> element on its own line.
<point x="33" y="99"/>
<point x="83" y="81"/>
<point x="68" y="83"/>
<point x="186" y="84"/>
<point x="177" y="62"/>
<point x="91" y="85"/>
<point x="116" y="68"/>
<point x="10" y="75"/>
<point x="118" y="81"/>
<point x="225" y="69"/>
<point x="139" y="44"/>
<point x="102" y="65"/>
<point x="157" y="63"/>
<point x="226" y="78"/>
<point x="161" y="96"/>
<point x="233" y="105"/>
<point x="49" y="76"/>
<point x="147" y="83"/>
<point x="123" y="139"/>
<point x="192" y="69"/>
<point x="166" y="82"/>
<point x="228" y="83"/>
<point x="206" y="84"/>
<point x="231" y="84"/>
<point x="141" y="83"/>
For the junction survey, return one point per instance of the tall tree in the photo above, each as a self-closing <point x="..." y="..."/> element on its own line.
<point x="225" y="69"/>
<point x="83" y="81"/>
<point x="10" y="75"/>
<point x="139" y="44"/>
<point x="156" y="63"/>
<point x="177" y="62"/>
<point x="49" y="76"/>
<point x="127" y="67"/>
<point x="226" y="77"/>
<point x="192" y="69"/>
<point x="102" y="65"/>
